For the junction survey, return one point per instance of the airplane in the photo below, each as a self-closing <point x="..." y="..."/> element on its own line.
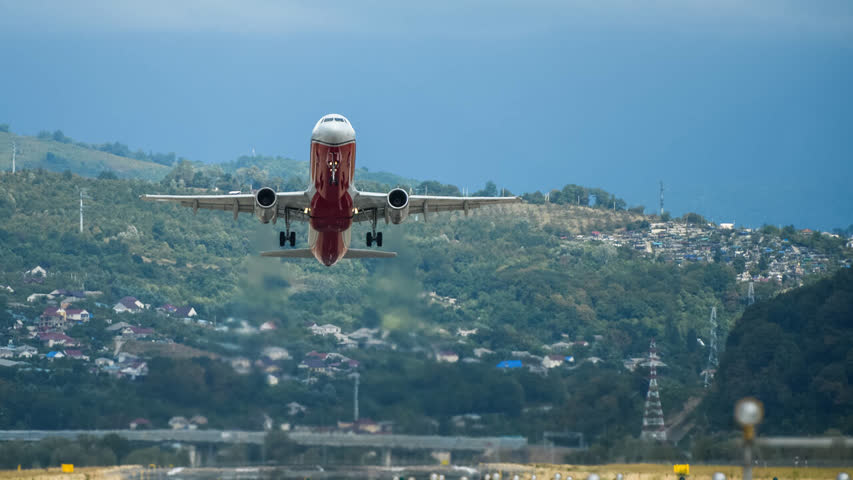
<point x="331" y="203"/>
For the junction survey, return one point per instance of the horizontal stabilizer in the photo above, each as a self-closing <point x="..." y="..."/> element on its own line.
<point x="307" y="253"/>
<point x="353" y="253"/>
<point x="298" y="253"/>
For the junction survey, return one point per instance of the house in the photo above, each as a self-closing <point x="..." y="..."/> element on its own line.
<point x="35" y="297"/>
<point x="267" y="326"/>
<point x="104" y="362"/>
<point x="327" y="329"/>
<point x="53" y="318"/>
<point x="551" y="361"/>
<point x="120" y="326"/>
<point x="199" y="420"/>
<point x="317" y="355"/>
<point x="185" y="312"/>
<point x="447" y="356"/>
<point x="276" y="353"/>
<point x="140" y="423"/>
<point x="54" y="355"/>
<point x="314" y="365"/>
<point x="294" y="408"/>
<point x="128" y="304"/>
<point x="78" y="315"/>
<point x="54" y="338"/>
<point x="135" y="369"/>
<point x="26" y="351"/>
<point x="137" y="332"/>
<point x="479" y="352"/>
<point x="364" y="333"/>
<point x="76" y="355"/>
<point x="167" y="308"/>
<point x="241" y="365"/>
<point x="179" y="423"/>
<point x="510" y="364"/>
<point x="37" y="272"/>
<point x="465" y="333"/>
<point x="7" y="352"/>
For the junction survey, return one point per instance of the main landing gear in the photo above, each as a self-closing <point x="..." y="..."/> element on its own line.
<point x="373" y="236"/>
<point x="287" y="236"/>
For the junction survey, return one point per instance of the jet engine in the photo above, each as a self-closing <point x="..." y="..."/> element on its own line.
<point x="398" y="205"/>
<point x="265" y="204"/>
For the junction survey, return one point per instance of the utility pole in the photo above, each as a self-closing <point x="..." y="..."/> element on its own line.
<point x="750" y="296"/>
<point x="711" y="369"/>
<point x="355" y="397"/>
<point x="82" y="193"/>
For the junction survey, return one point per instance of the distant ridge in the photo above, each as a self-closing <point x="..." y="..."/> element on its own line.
<point x="34" y="152"/>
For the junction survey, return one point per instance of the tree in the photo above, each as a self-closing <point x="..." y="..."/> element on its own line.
<point x="491" y="190"/>
<point x="107" y="175"/>
<point x="4" y="127"/>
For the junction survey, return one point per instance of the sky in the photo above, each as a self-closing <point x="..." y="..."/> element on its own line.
<point x="744" y="109"/>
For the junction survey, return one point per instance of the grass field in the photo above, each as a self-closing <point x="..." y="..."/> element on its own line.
<point x="646" y="471"/>
<point x="90" y="473"/>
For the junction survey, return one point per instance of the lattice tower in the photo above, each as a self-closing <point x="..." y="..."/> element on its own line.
<point x="750" y="296"/>
<point x="653" y="424"/>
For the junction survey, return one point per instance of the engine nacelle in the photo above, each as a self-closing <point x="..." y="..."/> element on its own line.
<point x="397" y="207"/>
<point x="265" y="204"/>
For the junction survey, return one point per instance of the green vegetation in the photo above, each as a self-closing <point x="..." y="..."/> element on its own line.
<point x="56" y="152"/>
<point x="795" y="354"/>
<point x="507" y="270"/>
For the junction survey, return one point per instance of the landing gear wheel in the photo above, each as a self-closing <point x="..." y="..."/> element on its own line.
<point x="369" y="239"/>
<point x="379" y="239"/>
<point x="281" y="239"/>
<point x="292" y="239"/>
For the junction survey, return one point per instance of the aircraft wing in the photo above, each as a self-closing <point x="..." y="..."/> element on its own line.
<point x="423" y="204"/>
<point x="238" y="203"/>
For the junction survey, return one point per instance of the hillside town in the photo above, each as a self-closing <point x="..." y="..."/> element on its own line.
<point x="755" y="256"/>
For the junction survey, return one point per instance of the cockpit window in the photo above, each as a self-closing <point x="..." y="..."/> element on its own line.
<point x="328" y="120"/>
<point x="339" y="119"/>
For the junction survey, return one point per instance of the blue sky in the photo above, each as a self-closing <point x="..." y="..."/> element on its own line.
<point x="743" y="109"/>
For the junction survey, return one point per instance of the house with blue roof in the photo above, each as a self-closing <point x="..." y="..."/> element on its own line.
<point x="510" y="364"/>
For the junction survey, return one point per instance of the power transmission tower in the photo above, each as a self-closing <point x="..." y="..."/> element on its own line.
<point x="661" y="197"/>
<point x="711" y="370"/>
<point x="653" y="424"/>
<point x="750" y="296"/>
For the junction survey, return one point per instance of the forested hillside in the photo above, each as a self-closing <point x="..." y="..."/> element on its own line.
<point x="513" y="279"/>
<point x="795" y="354"/>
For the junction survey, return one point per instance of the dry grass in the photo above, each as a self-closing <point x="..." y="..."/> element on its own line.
<point x="90" y="473"/>
<point x="647" y="471"/>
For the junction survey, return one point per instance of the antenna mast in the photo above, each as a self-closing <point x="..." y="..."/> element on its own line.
<point x="750" y="296"/>
<point x="14" y="151"/>
<point x="661" y="197"/>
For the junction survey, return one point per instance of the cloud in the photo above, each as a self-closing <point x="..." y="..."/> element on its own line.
<point x="439" y="17"/>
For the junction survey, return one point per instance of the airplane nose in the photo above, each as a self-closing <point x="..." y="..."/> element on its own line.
<point x="334" y="133"/>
